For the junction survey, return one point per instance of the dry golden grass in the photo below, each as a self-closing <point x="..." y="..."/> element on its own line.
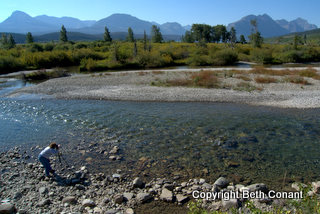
<point x="157" y="72"/>
<point x="207" y="79"/>
<point x="297" y="80"/>
<point x="265" y="80"/>
<point x="244" y="78"/>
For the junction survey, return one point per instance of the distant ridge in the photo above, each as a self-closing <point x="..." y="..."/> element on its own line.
<point x="20" y="22"/>
<point x="269" y="27"/>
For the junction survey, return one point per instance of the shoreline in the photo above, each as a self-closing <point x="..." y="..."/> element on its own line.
<point x="26" y="189"/>
<point x="137" y="86"/>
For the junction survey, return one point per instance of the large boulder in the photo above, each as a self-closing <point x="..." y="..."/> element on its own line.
<point x="88" y="203"/>
<point x="138" y="183"/>
<point x="144" y="197"/>
<point x="7" y="209"/>
<point x="221" y="182"/>
<point x="166" y="195"/>
<point x="69" y="200"/>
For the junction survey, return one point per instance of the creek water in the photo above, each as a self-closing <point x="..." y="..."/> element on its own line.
<point x="246" y="143"/>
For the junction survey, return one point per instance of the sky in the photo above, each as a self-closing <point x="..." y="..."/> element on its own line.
<point x="185" y="12"/>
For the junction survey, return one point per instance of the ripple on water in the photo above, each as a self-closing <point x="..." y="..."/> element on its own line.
<point x="246" y="143"/>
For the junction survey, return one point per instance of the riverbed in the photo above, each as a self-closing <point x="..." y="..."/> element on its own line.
<point x="246" y="143"/>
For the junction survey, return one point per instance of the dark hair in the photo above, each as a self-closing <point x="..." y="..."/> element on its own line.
<point x="53" y="145"/>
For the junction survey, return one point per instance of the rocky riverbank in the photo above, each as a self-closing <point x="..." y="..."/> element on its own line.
<point x="25" y="189"/>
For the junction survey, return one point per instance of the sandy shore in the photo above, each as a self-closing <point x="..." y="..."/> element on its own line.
<point x="136" y="86"/>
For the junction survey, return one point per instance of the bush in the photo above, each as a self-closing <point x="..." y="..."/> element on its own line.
<point x="9" y="64"/>
<point x="263" y="56"/>
<point x="35" y="47"/>
<point x="224" y="57"/>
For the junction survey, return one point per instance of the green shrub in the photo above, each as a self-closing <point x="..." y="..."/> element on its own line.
<point x="263" y="56"/>
<point x="9" y="64"/>
<point x="224" y="57"/>
<point x="35" y="47"/>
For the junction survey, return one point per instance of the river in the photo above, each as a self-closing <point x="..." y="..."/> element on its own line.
<point x="246" y="143"/>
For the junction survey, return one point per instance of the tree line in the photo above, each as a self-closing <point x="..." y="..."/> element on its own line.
<point x="8" y="42"/>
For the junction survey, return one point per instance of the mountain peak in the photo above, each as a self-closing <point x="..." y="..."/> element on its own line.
<point x="20" y="14"/>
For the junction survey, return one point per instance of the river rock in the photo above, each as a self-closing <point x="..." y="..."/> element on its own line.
<point x="258" y="187"/>
<point x="221" y="182"/>
<point x="112" y="211"/>
<point x="129" y="211"/>
<point x="316" y="187"/>
<point x="298" y="186"/>
<point x="182" y="198"/>
<point x="168" y="186"/>
<point x="43" y="190"/>
<point x="128" y="196"/>
<point x="144" y="197"/>
<point x="69" y="200"/>
<point x="7" y="209"/>
<point x="166" y="195"/>
<point x="231" y="203"/>
<point x="138" y="183"/>
<point x="17" y="195"/>
<point x="118" y="199"/>
<point x="44" y="202"/>
<point x="88" y="203"/>
<point x="114" y="150"/>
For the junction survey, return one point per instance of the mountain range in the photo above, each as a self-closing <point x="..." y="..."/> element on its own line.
<point x="20" y="22"/>
<point x="269" y="27"/>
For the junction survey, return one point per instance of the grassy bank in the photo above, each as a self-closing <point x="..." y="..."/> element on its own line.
<point x="99" y="56"/>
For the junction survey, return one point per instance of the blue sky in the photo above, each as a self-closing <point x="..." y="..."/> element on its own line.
<point x="183" y="11"/>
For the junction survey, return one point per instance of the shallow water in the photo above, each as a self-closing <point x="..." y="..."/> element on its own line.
<point x="257" y="144"/>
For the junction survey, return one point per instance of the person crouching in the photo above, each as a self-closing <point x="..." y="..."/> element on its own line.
<point x="44" y="157"/>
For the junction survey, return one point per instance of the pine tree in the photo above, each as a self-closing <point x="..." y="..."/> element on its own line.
<point x="156" y="35"/>
<point x="233" y="35"/>
<point x="242" y="39"/>
<point x="106" y="35"/>
<point x="135" y="49"/>
<point x="29" y="38"/>
<point x="145" y="41"/>
<point x="4" y="41"/>
<point x="130" y="37"/>
<point x="11" y="42"/>
<point x="63" y="34"/>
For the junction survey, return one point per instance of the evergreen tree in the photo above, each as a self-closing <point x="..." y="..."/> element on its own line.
<point x="145" y="41"/>
<point x="135" y="49"/>
<point x="156" y="35"/>
<point x="130" y="37"/>
<point x="243" y="39"/>
<point x="29" y="38"/>
<point x="63" y="34"/>
<point x="106" y="35"/>
<point x="297" y="40"/>
<point x="4" y="41"/>
<point x="11" y="42"/>
<point x="233" y="36"/>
